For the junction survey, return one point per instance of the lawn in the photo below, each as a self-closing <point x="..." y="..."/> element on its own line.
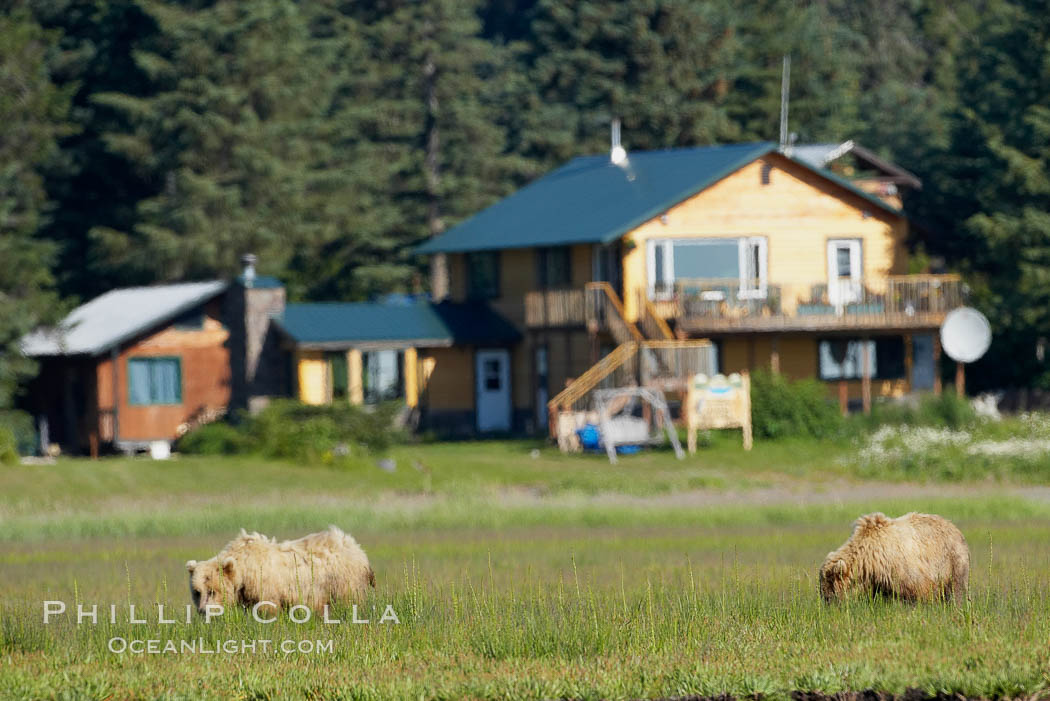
<point x="518" y="576"/>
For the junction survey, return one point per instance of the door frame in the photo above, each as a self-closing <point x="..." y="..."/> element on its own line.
<point x="505" y="375"/>
<point x="838" y="295"/>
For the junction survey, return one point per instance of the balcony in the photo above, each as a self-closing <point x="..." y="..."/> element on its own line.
<point x="564" y="308"/>
<point x="896" y="302"/>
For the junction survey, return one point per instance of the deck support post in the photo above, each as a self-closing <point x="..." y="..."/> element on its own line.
<point x="843" y="397"/>
<point x="774" y="355"/>
<point x="865" y="376"/>
<point x="960" y="379"/>
<point x="937" y="364"/>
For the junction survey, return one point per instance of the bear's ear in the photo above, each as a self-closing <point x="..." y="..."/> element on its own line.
<point x="191" y="565"/>
<point x="837" y="567"/>
<point x="228" y="567"/>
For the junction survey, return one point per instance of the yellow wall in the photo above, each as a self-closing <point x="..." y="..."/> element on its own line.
<point x="315" y="387"/>
<point x="797" y="212"/>
<point x="313" y="377"/>
<point x="451" y="382"/>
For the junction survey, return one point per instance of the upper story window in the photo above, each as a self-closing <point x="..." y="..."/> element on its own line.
<point x="483" y="274"/>
<point x="154" y="381"/>
<point x="553" y="267"/>
<point x="740" y="263"/>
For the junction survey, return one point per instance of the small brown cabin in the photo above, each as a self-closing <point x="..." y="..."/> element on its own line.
<point x="138" y="365"/>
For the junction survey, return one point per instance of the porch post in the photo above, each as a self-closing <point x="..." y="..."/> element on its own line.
<point x="774" y="355"/>
<point x="960" y="379"/>
<point x="843" y="397"/>
<point x="909" y="359"/>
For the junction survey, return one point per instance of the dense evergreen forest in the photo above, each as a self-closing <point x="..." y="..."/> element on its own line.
<point x="148" y="140"/>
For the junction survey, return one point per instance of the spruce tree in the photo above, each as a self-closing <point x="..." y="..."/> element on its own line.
<point x="33" y="112"/>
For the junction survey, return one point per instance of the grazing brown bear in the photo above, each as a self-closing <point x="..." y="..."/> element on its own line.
<point x="917" y="557"/>
<point x="314" y="570"/>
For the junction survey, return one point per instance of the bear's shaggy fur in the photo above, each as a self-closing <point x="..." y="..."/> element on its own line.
<point x="917" y="557"/>
<point x="314" y="570"/>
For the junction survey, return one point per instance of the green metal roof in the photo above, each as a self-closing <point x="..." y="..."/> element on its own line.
<point x="591" y="200"/>
<point x="334" y="324"/>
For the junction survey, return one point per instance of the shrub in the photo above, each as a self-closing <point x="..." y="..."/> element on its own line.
<point x="946" y="411"/>
<point x="782" y="408"/>
<point x="290" y="430"/>
<point x="21" y="426"/>
<point x="218" y="438"/>
<point x="8" y="450"/>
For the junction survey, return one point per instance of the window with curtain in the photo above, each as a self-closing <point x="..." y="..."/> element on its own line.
<point x="154" y="381"/>
<point x="842" y="358"/>
<point x="381" y="375"/>
<point x="483" y="274"/>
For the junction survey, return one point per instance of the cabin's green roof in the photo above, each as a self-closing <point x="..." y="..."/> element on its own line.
<point x="346" y="324"/>
<point x="591" y="200"/>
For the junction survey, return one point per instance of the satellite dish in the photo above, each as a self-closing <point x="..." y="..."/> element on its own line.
<point x="965" y="334"/>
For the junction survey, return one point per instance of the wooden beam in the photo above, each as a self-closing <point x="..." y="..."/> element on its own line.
<point x="843" y="397"/>
<point x="937" y="364"/>
<point x="865" y="375"/>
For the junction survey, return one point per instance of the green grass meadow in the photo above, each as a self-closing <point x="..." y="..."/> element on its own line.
<point x="516" y="576"/>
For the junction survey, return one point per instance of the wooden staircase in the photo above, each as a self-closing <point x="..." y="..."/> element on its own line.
<point x="646" y="356"/>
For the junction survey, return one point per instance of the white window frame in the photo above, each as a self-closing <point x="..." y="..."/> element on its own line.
<point x="745" y="244"/>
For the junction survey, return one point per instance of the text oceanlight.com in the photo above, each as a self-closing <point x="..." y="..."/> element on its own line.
<point x="200" y="646"/>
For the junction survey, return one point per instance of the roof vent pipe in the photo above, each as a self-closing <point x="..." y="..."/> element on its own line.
<point x="617" y="154"/>
<point x="248" y="274"/>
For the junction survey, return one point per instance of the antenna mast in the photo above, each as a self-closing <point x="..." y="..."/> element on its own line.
<point x="785" y="82"/>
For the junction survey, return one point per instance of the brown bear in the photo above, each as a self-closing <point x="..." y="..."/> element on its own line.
<point x="313" y="570"/>
<point x="917" y="557"/>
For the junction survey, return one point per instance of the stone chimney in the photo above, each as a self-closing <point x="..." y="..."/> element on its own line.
<point x="258" y="367"/>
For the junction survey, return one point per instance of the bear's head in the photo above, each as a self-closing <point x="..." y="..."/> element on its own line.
<point x="213" y="582"/>
<point x="834" y="578"/>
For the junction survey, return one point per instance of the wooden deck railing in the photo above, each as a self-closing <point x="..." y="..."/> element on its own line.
<point x="896" y="301"/>
<point x="555" y="308"/>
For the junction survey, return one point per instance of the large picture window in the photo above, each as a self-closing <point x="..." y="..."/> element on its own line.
<point x="842" y="358"/>
<point x="154" y="381"/>
<point x="483" y="275"/>
<point x="741" y="260"/>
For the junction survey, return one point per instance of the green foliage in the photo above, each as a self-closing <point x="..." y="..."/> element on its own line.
<point x="33" y="112"/>
<point x="945" y="411"/>
<point x="781" y="408"/>
<point x="290" y="430"/>
<point x="217" y="438"/>
<point x="8" y="447"/>
<point x="21" y="426"/>
<point x="294" y="431"/>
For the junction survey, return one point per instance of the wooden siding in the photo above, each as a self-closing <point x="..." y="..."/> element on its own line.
<point x="450" y="385"/>
<point x="797" y="212"/>
<point x="205" y="367"/>
<point x="798" y="361"/>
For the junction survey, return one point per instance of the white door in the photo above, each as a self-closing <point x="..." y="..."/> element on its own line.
<point x="844" y="272"/>
<point x="492" y="372"/>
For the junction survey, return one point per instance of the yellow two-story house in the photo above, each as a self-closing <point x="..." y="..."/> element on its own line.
<point x="778" y="260"/>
